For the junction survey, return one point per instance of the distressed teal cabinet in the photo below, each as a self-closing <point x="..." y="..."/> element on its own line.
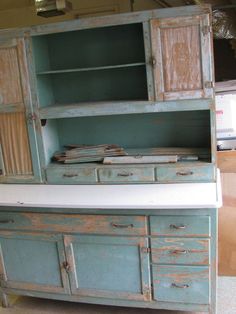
<point x="117" y="234"/>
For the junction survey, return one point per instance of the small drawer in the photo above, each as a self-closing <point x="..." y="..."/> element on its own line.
<point x="180" y="251"/>
<point x="188" y="284"/>
<point x="74" y="223"/>
<point x="126" y="174"/>
<point x="177" y="173"/>
<point x="190" y="226"/>
<point x="70" y="174"/>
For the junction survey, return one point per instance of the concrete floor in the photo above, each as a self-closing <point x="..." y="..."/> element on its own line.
<point x="26" y="305"/>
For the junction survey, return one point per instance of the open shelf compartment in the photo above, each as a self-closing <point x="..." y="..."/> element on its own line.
<point x="186" y="129"/>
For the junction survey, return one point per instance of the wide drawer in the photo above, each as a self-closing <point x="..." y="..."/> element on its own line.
<point x="188" y="284"/>
<point x="180" y="251"/>
<point x="191" y="226"/>
<point x="185" y="173"/>
<point x="88" y="224"/>
<point x="126" y="174"/>
<point x="70" y="174"/>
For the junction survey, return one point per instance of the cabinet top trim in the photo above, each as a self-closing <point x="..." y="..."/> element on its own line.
<point x="102" y="21"/>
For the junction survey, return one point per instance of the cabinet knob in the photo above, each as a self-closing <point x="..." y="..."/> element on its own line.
<point x="177" y="226"/>
<point x="175" y="285"/>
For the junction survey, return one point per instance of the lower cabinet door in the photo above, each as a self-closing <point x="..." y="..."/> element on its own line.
<point x="33" y="262"/>
<point x="109" y="267"/>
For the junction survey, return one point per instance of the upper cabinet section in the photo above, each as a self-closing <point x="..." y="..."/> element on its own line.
<point x="101" y="64"/>
<point x="147" y="56"/>
<point x="182" y="60"/>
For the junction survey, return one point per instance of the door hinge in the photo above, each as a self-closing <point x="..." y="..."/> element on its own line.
<point x="31" y="117"/>
<point x="208" y="84"/>
<point x="145" y="250"/>
<point x="206" y="29"/>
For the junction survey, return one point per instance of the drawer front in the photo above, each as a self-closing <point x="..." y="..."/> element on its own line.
<point x="191" y="226"/>
<point x="188" y="284"/>
<point x="174" y="173"/>
<point x="70" y="175"/>
<point x="180" y="251"/>
<point x="126" y="174"/>
<point x="87" y="224"/>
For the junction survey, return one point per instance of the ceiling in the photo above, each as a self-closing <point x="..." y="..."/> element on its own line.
<point x="12" y="4"/>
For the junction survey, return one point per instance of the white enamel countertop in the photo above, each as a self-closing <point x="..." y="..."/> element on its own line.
<point x="140" y="196"/>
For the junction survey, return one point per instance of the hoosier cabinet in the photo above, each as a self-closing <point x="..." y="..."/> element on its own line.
<point x="141" y="232"/>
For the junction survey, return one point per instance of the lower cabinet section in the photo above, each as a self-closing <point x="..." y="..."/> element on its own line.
<point x="146" y="258"/>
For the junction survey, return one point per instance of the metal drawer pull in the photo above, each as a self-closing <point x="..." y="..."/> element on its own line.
<point x="70" y="175"/>
<point x="178" y="227"/>
<point x="184" y="173"/>
<point x="179" y="252"/>
<point x="175" y="285"/>
<point x="121" y="225"/>
<point x="125" y="174"/>
<point x="10" y="221"/>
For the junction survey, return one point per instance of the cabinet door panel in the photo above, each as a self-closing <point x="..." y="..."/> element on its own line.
<point x="33" y="263"/>
<point x="15" y="103"/>
<point x="182" y="53"/>
<point x="15" y="144"/>
<point x="108" y="267"/>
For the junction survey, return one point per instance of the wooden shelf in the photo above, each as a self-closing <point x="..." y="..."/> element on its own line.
<point x="108" y="67"/>
<point x="121" y="107"/>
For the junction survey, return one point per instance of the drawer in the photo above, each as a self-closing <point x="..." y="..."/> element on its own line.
<point x="188" y="284"/>
<point x="70" y="174"/>
<point x="185" y="173"/>
<point x="126" y="174"/>
<point x="191" y="226"/>
<point x="180" y="251"/>
<point x="74" y="223"/>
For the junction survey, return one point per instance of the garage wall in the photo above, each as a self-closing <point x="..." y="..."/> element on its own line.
<point x="25" y="15"/>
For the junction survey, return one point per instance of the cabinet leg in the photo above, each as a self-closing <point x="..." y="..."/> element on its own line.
<point x="4" y="300"/>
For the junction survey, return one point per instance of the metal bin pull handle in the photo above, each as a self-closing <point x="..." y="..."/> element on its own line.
<point x="177" y="227"/>
<point x="175" y="285"/>
<point x="10" y="221"/>
<point x="70" y="175"/>
<point x="122" y="225"/>
<point x="184" y="173"/>
<point x="178" y="252"/>
<point x="125" y="174"/>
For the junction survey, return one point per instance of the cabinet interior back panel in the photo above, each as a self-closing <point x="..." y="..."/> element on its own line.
<point x="92" y="65"/>
<point x="181" y="58"/>
<point x="176" y="129"/>
<point x="115" y="84"/>
<point x="89" y="48"/>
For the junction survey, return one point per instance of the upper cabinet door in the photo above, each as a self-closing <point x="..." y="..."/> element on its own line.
<point x="182" y="57"/>
<point x="16" y="131"/>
